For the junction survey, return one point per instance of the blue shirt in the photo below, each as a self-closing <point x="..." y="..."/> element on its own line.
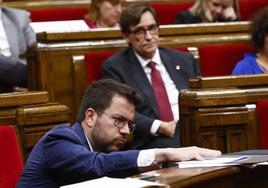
<point x="248" y="65"/>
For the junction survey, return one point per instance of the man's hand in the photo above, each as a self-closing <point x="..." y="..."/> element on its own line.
<point x="167" y="128"/>
<point x="229" y="14"/>
<point x="185" y="154"/>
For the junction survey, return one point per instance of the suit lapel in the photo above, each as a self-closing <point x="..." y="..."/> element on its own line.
<point x="141" y="80"/>
<point x="172" y="68"/>
<point x="79" y="131"/>
<point x="11" y="33"/>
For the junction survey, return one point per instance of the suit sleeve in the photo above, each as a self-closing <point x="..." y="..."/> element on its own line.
<point x="67" y="158"/>
<point x="28" y="32"/>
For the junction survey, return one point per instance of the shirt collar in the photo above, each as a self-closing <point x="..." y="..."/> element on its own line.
<point x="144" y="62"/>
<point x="90" y="146"/>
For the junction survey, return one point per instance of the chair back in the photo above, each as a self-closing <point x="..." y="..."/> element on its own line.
<point x="11" y="164"/>
<point x="262" y="114"/>
<point x="219" y="60"/>
<point x="94" y="62"/>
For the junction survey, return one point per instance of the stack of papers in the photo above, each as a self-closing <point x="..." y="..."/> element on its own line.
<point x="221" y="161"/>
<point x="115" y="182"/>
<point x="60" y="26"/>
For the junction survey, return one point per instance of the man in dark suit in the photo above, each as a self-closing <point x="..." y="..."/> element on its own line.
<point x="16" y="35"/>
<point x="132" y="66"/>
<point x="84" y="151"/>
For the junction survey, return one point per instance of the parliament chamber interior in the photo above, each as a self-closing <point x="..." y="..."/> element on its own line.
<point x="217" y="111"/>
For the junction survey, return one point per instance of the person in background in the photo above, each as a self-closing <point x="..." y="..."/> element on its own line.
<point x="256" y="63"/>
<point x="90" y="148"/>
<point x="104" y="13"/>
<point x="206" y="11"/>
<point x="16" y="36"/>
<point x="157" y="73"/>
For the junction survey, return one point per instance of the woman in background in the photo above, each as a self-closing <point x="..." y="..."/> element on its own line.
<point x="104" y="13"/>
<point x="204" y="11"/>
<point x="256" y="64"/>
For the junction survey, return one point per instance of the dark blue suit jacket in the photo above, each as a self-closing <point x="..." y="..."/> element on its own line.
<point x="126" y="68"/>
<point x="63" y="157"/>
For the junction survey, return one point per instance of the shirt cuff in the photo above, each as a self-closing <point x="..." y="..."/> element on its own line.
<point x="155" y="127"/>
<point x="146" y="158"/>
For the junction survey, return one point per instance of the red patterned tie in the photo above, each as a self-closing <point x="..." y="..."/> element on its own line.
<point x="160" y="92"/>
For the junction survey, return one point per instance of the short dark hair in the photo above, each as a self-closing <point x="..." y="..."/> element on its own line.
<point x="99" y="96"/>
<point x="132" y="14"/>
<point x="259" y="28"/>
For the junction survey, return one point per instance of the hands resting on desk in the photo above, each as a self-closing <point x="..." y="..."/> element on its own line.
<point x="184" y="154"/>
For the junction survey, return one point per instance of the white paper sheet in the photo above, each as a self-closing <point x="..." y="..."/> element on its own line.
<point x="115" y="182"/>
<point x="60" y="26"/>
<point x="221" y="161"/>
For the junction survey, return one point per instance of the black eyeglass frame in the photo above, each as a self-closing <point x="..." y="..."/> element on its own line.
<point x="140" y="32"/>
<point x="119" y="123"/>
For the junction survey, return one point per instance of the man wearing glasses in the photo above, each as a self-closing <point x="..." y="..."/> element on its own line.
<point x="157" y="74"/>
<point x="90" y="148"/>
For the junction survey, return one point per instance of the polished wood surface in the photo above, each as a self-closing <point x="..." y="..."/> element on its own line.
<point x="246" y="81"/>
<point x="50" y="4"/>
<point x="32" y="115"/>
<point x="211" y="177"/>
<point x="51" y="62"/>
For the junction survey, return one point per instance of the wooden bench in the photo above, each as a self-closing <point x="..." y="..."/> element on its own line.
<point x="74" y="10"/>
<point x="220" y="112"/>
<point x="32" y="115"/>
<point x="51" y="65"/>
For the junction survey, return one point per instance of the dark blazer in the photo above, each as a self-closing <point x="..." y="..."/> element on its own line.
<point x="186" y="17"/>
<point x="63" y="157"/>
<point x="126" y="68"/>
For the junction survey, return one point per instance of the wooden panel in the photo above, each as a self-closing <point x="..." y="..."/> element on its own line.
<point x="32" y="116"/>
<point x="220" y="118"/>
<point x="244" y="81"/>
<point x="220" y="177"/>
<point x="17" y="99"/>
<point x="49" y="4"/>
<point x="80" y="80"/>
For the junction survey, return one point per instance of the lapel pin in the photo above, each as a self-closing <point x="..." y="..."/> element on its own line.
<point x="178" y="67"/>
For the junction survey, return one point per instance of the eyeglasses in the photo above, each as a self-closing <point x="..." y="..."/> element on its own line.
<point x="140" y="32"/>
<point x="121" y="121"/>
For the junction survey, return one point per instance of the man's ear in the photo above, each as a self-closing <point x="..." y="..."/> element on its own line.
<point x="126" y="37"/>
<point x="90" y="117"/>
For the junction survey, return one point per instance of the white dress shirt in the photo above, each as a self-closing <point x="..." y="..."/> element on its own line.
<point x="171" y="89"/>
<point x="4" y="45"/>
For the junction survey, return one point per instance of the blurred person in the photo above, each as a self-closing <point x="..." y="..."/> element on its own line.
<point x="256" y="63"/>
<point x="157" y="73"/>
<point x="16" y="36"/>
<point x="89" y="149"/>
<point x="105" y="13"/>
<point x="206" y="11"/>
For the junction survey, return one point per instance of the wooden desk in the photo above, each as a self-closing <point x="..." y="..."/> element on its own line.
<point x="219" y="112"/>
<point x="32" y="115"/>
<point x="49" y="4"/>
<point x="220" y="177"/>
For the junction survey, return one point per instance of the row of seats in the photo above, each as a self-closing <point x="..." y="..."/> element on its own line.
<point x="167" y="11"/>
<point x="220" y="63"/>
<point x="11" y="162"/>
